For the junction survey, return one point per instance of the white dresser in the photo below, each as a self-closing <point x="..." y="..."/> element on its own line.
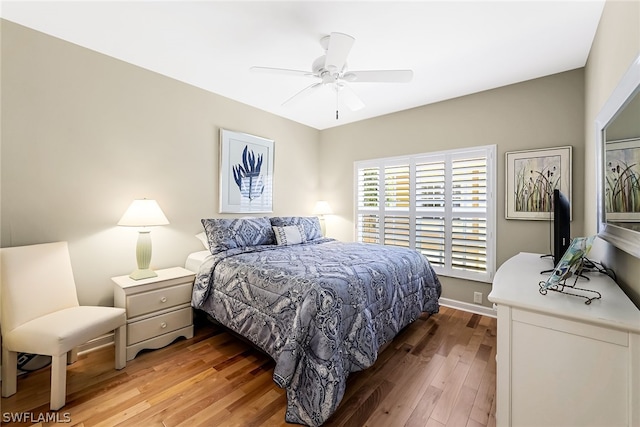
<point x="158" y="308"/>
<point x="562" y="362"/>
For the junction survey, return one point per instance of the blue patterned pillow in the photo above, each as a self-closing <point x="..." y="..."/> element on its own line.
<point x="310" y="224"/>
<point x="230" y="233"/>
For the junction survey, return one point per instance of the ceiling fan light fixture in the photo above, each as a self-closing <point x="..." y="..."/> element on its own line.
<point x="327" y="77"/>
<point x="318" y="64"/>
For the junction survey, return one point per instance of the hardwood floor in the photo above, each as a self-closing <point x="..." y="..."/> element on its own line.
<point x="440" y="371"/>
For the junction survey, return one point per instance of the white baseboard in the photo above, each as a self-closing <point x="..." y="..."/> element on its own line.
<point x="465" y="306"/>
<point x="96" y="343"/>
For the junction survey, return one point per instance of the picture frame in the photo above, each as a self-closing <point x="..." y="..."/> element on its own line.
<point x="246" y="173"/>
<point x="622" y="180"/>
<point x="531" y="177"/>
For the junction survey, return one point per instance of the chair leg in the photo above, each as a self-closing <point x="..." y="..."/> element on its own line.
<point x="9" y="372"/>
<point x="58" y="381"/>
<point x="120" y="338"/>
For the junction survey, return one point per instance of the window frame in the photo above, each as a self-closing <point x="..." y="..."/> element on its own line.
<point x="449" y="212"/>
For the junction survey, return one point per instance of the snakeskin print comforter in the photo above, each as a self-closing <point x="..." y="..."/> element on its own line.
<point x="321" y="310"/>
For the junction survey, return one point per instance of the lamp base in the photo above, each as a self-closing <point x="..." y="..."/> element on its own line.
<point x="143" y="274"/>
<point x="323" y="226"/>
<point x="143" y="256"/>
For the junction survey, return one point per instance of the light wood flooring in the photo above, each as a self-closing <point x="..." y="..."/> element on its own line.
<point x="440" y="371"/>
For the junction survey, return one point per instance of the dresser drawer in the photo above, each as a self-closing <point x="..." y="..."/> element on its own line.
<point x="158" y="325"/>
<point x="148" y="302"/>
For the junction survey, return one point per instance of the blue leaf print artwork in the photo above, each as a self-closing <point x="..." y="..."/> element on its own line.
<point x="247" y="175"/>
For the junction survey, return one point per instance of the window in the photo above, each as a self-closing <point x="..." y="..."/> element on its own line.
<point x="441" y="204"/>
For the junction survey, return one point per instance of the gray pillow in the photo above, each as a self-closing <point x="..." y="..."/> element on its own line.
<point x="289" y="235"/>
<point x="230" y="233"/>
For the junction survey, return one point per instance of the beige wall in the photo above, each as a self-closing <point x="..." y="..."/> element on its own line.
<point x="541" y="113"/>
<point x="616" y="45"/>
<point x="84" y="134"/>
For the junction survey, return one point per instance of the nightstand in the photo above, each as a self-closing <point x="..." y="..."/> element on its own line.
<point x="158" y="308"/>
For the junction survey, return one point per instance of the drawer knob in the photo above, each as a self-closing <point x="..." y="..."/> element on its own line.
<point x="163" y="299"/>
<point x="163" y="325"/>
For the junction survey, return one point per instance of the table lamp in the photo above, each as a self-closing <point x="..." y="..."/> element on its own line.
<point x="143" y="213"/>
<point x="321" y="209"/>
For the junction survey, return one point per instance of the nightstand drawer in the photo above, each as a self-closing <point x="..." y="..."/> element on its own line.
<point x="158" y="325"/>
<point x="158" y="308"/>
<point x="160" y="299"/>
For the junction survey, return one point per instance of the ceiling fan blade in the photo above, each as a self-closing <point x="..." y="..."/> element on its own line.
<point x="349" y="97"/>
<point x="304" y="92"/>
<point x="384" y="76"/>
<point x="337" y="51"/>
<point x="270" y="70"/>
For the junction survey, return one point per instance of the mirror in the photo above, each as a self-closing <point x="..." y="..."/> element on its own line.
<point x="618" y="161"/>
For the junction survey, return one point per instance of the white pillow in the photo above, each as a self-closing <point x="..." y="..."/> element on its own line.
<point x="289" y="235"/>
<point x="203" y="238"/>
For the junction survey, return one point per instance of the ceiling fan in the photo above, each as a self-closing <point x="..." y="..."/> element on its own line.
<point x="331" y="70"/>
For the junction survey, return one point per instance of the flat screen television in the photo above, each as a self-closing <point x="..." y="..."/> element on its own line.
<point x="561" y="225"/>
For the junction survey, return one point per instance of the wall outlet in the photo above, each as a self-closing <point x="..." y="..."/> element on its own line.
<point x="477" y="297"/>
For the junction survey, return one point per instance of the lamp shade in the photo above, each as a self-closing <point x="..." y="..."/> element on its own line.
<point x="322" y="208"/>
<point x="143" y="213"/>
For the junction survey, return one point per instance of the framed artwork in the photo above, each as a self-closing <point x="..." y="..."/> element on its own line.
<point x="246" y="173"/>
<point x="622" y="180"/>
<point x="532" y="175"/>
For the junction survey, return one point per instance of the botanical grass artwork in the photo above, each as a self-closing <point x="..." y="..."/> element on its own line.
<point x="532" y="176"/>
<point x="622" y="180"/>
<point x="535" y="180"/>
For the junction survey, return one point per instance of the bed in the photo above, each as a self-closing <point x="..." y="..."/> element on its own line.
<point x="319" y="307"/>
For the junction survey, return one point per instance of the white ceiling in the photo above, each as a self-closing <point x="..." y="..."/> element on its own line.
<point x="454" y="48"/>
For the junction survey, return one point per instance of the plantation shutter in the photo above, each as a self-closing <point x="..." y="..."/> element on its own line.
<point x="397" y="202"/>
<point x="469" y="214"/>
<point x="430" y="209"/>
<point x="439" y="204"/>
<point x="368" y="200"/>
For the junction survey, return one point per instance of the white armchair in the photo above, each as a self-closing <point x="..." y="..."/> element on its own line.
<point x="41" y="314"/>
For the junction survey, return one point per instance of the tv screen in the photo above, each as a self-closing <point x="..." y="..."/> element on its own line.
<point x="561" y="225"/>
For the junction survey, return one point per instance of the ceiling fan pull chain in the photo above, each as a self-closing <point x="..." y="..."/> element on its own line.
<point x="336" y="104"/>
